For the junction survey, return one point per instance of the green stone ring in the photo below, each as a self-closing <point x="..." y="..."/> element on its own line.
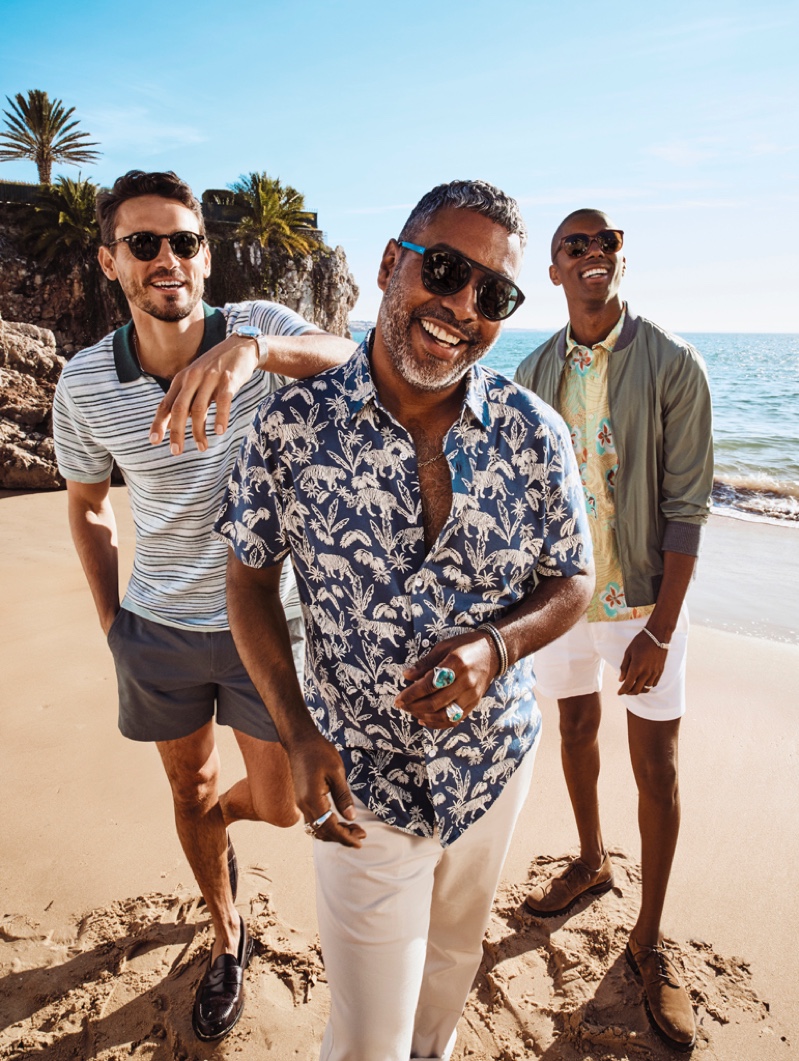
<point x="442" y="677"/>
<point x="454" y="713"/>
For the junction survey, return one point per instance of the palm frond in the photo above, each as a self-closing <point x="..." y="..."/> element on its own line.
<point x="274" y="215"/>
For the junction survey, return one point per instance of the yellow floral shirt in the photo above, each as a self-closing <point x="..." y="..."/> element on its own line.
<point x="583" y="403"/>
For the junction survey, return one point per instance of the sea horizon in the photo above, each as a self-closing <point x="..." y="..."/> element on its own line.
<point x="755" y="429"/>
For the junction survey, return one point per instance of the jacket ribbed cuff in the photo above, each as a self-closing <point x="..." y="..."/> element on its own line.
<point x="682" y="538"/>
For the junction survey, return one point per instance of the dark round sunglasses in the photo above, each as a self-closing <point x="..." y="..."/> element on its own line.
<point x="444" y="272"/>
<point x="609" y="240"/>
<point x="146" y="246"/>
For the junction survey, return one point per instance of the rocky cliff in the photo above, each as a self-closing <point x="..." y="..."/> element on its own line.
<point x="70" y="297"/>
<point x="318" y="286"/>
<point x="29" y="371"/>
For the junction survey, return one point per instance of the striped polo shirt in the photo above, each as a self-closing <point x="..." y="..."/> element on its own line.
<point x="102" y="411"/>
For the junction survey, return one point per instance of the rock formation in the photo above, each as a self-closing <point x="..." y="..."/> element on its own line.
<point x="29" y="371"/>
<point x="70" y="297"/>
<point x="318" y="286"/>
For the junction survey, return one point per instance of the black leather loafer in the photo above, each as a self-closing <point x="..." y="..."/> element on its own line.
<point x="219" y="1001"/>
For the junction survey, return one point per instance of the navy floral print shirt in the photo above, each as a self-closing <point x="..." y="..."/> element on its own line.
<point x="328" y="477"/>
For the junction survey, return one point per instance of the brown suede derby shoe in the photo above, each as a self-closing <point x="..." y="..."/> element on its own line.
<point x="559" y="894"/>
<point x="665" y="999"/>
<point x="219" y="1001"/>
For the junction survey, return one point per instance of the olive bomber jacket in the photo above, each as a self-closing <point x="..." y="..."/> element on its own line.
<point x="661" y="418"/>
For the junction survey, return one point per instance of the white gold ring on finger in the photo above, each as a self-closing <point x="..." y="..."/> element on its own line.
<point x="454" y="713"/>
<point x="311" y="827"/>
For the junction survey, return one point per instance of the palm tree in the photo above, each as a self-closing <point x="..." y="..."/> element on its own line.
<point x="273" y="214"/>
<point x="62" y="233"/>
<point x="40" y="129"/>
<point x="63" y="221"/>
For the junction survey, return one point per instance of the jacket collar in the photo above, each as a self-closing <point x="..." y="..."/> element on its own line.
<point x="628" y="333"/>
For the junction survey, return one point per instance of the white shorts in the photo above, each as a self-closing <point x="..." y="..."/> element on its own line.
<point x="572" y="665"/>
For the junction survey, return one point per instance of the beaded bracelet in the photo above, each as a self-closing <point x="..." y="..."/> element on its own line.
<point x="499" y="645"/>
<point x="660" y="644"/>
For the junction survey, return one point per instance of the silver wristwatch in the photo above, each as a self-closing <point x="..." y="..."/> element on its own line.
<point x="249" y="331"/>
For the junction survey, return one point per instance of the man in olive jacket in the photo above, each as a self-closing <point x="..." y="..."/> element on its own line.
<point x="637" y="403"/>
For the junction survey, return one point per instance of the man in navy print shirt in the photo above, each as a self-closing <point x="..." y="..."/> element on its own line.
<point x="433" y="514"/>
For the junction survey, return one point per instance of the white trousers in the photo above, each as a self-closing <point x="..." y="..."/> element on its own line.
<point x="401" y="922"/>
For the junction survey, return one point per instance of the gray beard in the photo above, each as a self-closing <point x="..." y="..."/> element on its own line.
<point x="427" y="375"/>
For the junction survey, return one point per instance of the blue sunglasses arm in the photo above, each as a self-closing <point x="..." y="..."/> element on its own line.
<point x="411" y="246"/>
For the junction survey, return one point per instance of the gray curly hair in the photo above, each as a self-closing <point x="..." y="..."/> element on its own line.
<point x="479" y="196"/>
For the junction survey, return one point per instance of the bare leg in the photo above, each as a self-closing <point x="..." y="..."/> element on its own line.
<point x="266" y="794"/>
<point x="653" y="750"/>
<point x="192" y="766"/>
<point x="579" y="751"/>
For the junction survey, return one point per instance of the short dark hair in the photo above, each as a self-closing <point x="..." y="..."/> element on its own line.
<point x="479" y="196"/>
<point x="587" y="211"/>
<point x="136" y="183"/>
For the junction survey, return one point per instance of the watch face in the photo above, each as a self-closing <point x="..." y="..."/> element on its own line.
<point x="248" y="331"/>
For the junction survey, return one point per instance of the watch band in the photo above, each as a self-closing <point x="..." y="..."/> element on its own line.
<point x="249" y="331"/>
<point x="263" y="349"/>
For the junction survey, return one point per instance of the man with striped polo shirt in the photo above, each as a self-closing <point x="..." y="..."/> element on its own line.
<point x="637" y="404"/>
<point x="177" y="667"/>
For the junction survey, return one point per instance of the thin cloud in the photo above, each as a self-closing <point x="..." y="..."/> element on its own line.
<point x="708" y="32"/>
<point x="767" y="148"/>
<point x="388" y="209"/>
<point x="686" y="152"/>
<point x="570" y="195"/>
<point x="691" y="204"/>
<point x="136" y="131"/>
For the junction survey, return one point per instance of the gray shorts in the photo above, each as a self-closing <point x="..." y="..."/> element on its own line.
<point x="172" y="682"/>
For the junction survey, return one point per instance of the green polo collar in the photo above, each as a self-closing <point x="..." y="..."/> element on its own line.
<point x="127" y="364"/>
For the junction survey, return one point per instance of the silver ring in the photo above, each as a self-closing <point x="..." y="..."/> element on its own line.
<point x="648" y="687"/>
<point x="442" y="677"/>
<point x="454" y="712"/>
<point x="311" y="827"/>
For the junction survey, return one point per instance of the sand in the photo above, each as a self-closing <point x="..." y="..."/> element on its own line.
<point x="102" y="940"/>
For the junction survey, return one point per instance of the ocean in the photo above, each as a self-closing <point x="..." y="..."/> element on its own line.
<point x="754" y="380"/>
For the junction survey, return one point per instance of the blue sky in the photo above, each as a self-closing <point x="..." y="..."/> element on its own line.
<point x="679" y="119"/>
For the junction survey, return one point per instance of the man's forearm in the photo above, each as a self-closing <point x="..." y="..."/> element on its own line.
<point x="262" y="638"/>
<point x="300" y="356"/>
<point x="94" y="532"/>
<point x="678" y="569"/>
<point x="554" y="607"/>
<point x="477" y="657"/>
<point x="259" y="628"/>
<point x="219" y="374"/>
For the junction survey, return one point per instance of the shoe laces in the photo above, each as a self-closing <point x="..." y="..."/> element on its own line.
<point x="665" y="967"/>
